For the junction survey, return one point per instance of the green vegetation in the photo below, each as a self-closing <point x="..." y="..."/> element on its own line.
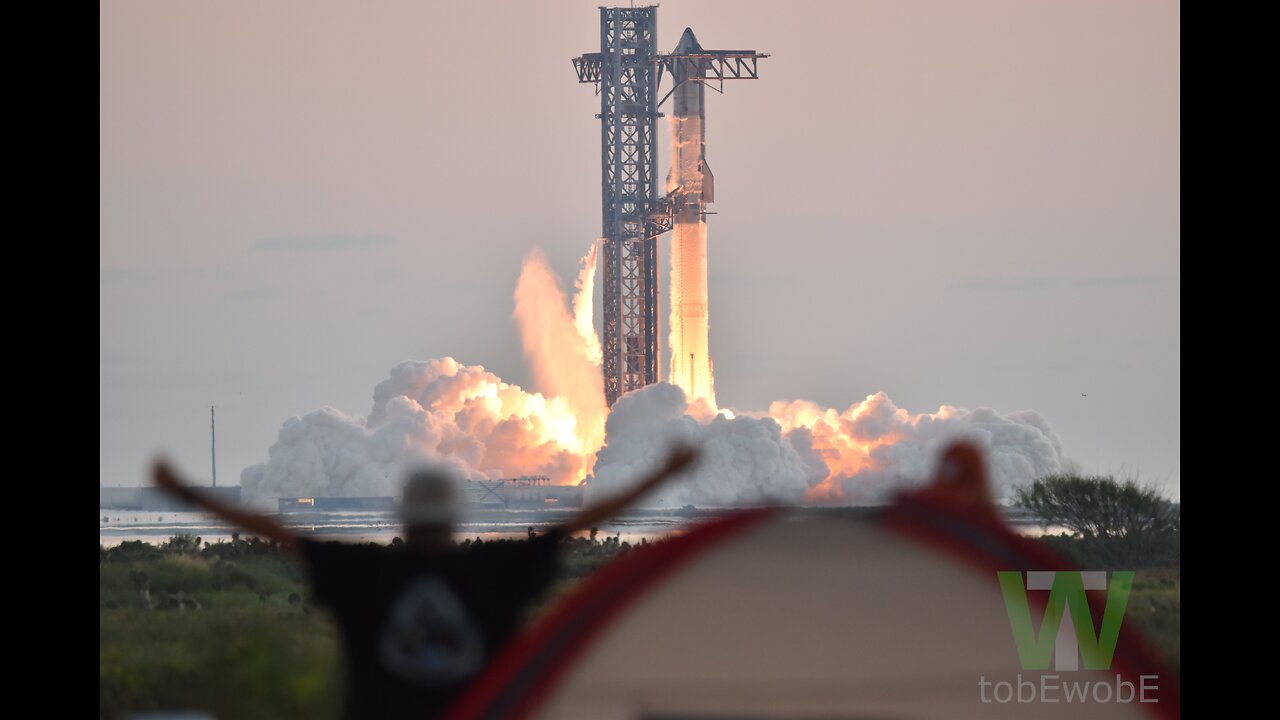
<point x="231" y="628"/>
<point x="1118" y="524"/>
<point x="225" y="628"/>
<point x="1115" y="525"/>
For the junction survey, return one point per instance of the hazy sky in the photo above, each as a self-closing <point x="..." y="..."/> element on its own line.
<point x="974" y="204"/>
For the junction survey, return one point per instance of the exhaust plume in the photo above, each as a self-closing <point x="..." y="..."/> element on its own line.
<point x="484" y="428"/>
<point x="434" y="410"/>
<point x="799" y="452"/>
<point x="559" y="349"/>
<point x="583" y="306"/>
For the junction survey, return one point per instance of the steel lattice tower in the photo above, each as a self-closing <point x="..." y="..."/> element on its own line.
<point x="627" y="71"/>
<point x="628" y="88"/>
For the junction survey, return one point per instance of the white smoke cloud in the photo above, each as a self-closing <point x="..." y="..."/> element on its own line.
<point x="1019" y="447"/>
<point x="744" y="461"/>
<point x="748" y="460"/>
<point x="437" y="410"/>
<point x="874" y="447"/>
<point x="483" y="428"/>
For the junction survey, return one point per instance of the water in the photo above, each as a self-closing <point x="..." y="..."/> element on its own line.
<point x="117" y="526"/>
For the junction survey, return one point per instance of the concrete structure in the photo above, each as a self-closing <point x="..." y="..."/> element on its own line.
<point x="628" y="73"/>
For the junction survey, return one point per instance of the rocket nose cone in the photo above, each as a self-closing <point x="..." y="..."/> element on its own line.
<point x="688" y="43"/>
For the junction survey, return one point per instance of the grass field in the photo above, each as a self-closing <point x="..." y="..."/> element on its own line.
<point x="230" y="629"/>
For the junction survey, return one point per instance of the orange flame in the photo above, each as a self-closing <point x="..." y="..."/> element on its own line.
<point x="563" y="352"/>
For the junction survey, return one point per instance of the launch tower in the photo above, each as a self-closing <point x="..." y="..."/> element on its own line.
<point x="627" y="73"/>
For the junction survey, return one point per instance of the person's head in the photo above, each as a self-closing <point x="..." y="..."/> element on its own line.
<point x="429" y="508"/>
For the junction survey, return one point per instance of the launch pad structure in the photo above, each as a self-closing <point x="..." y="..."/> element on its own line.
<point x="628" y="74"/>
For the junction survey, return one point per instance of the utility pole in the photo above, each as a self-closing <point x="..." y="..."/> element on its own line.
<point x="213" y="446"/>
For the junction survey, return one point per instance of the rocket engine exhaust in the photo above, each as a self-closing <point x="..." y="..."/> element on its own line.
<point x="597" y="414"/>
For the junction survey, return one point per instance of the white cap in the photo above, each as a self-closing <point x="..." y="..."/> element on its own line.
<point x="430" y="497"/>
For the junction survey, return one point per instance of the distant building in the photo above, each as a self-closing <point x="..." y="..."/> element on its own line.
<point x="527" y="492"/>
<point x="336" y="504"/>
<point x="521" y="493"/>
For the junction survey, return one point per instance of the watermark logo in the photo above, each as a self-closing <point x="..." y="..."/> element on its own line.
<point x="1066" y="634"/>
<point x="1066" y="639"/>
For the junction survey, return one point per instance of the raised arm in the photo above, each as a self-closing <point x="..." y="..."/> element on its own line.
<point x="680" y="458"/>
<point x="253" y="523"/>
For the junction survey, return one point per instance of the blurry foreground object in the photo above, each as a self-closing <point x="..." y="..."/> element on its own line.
<point x="421" y="618"/>
<point x="430" y="497"/>
<point x="897" y="613"/>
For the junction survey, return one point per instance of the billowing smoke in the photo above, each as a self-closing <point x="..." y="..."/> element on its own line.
<point x="744" y="460"/>
<point x="464" y="416"/>
<point x="799" y="451"/>
<point x="484" y="428"/>
<point x="874" y="447"/>
<point x="439" y="410"/>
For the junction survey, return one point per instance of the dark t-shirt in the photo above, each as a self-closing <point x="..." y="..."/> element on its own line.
<point x="417" y="628"/>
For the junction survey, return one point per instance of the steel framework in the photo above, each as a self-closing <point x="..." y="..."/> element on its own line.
<point x="626" y="72"/>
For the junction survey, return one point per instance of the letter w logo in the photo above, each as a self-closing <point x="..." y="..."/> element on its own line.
<point x="1073" y="629"/>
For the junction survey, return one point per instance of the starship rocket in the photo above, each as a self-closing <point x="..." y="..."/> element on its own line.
<point x="690" y="187"/>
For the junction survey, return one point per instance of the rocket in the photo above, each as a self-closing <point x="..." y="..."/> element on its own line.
<point x="690" y="188"/>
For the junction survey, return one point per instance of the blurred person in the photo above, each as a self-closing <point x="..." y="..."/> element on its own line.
<point x="420" y="619"/>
